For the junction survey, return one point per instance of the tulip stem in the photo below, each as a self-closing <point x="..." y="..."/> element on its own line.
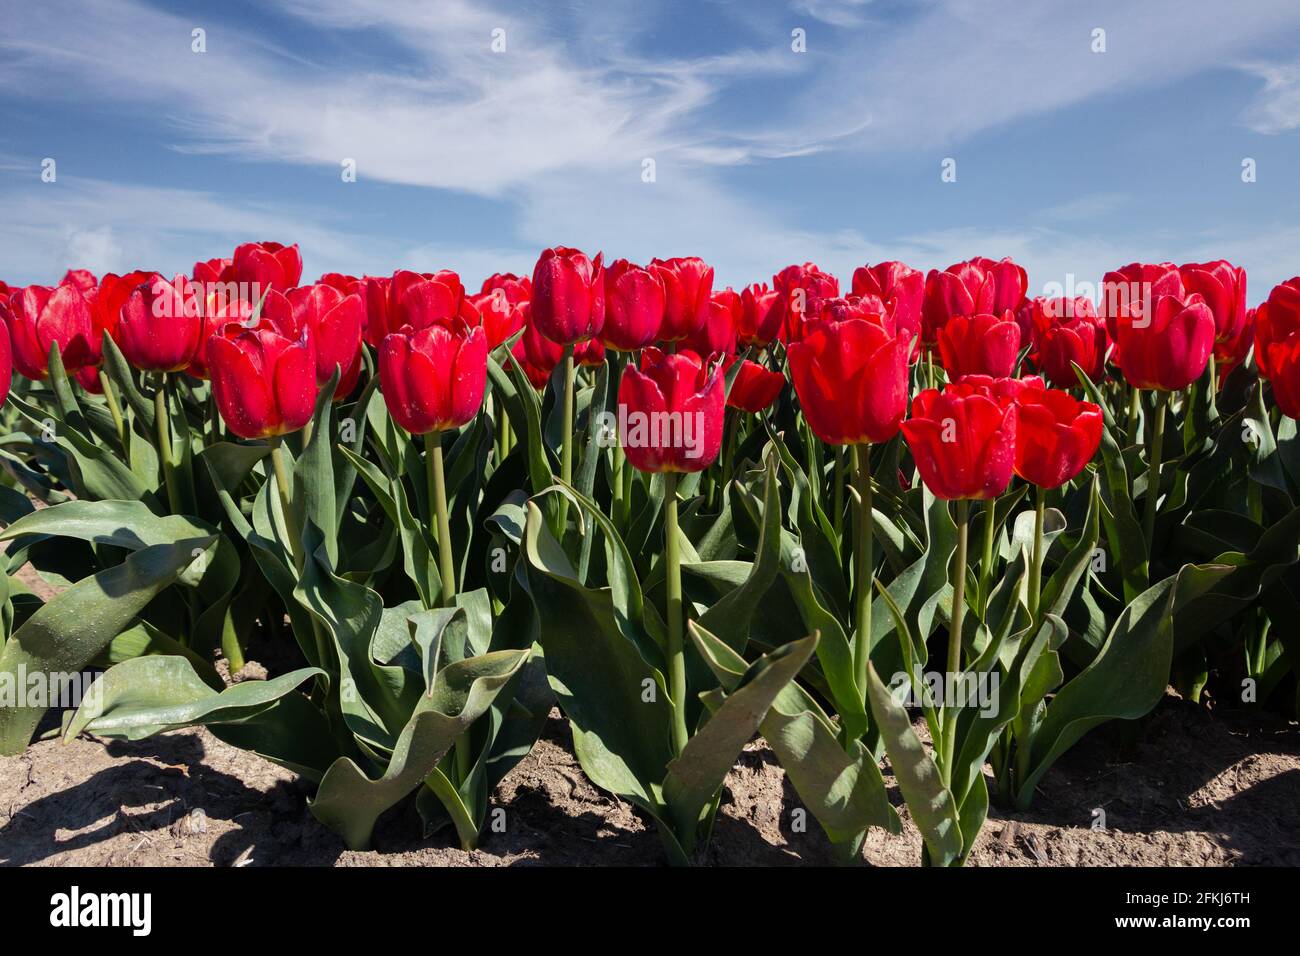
<point x="1133" y="405"/>
<point x="986" y="563"/>
<point x="837" y="520"/>
<point x="438" y="499"/>
<point x="1036" y="562"/>
<point x="285" y="484"/>
<point x="115" y="410"/>
<point x="676" y="656"/>
<point x="948" y="724"/>
<point x="862" y="577"/>
<point x="566" y="450"/>
<point x="1153" y="469"/>
<point x="165" y="443"/>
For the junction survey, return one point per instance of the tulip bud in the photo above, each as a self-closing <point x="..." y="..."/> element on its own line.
<point x="161" y="324"/>
<point x="265" y="267"/>
<point x="498" y="304"/>
<point x="688" y="285"/>
<point x="671" y="412"/>
<point x="1056" y="436"/>
<point x="977" y="287"/>
<point x="568" y="303"/>
<point x="634" y="306"/>
<point x="851" y="379"/>
<point x="754" y="388"/>
<point x="980" y="345"/>
<point x="39" y="317"/>
<point x="718" y="332"/>
<point x="760" y="315"/>
<point x="433" y="378"/>
<point x="801" y="288"/>
<point x="963" y="441"/>
<point x="263" y="380"/>
<point x="901" y="288"/>
<point x="1169" y="349"/>
<point x="334" y="322"/>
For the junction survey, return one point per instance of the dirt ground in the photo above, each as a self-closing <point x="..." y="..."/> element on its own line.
<point x="1188" y="787"/>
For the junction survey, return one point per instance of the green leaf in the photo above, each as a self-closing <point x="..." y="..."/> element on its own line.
<point x="349" y="801"/>
<point x="66" y="634"/>
<point x="695" y="776"/>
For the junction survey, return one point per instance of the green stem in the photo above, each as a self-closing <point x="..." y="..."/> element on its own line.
<point x="285" y="484"/>
<point x="837" y="519"/>
<point x="114" y="409"/>
<point x="948" y="721"/>
<point x="986" y="564"/>
<point x="165" y="442"/>
<point x="862" y="578"/>
<point x="1134" y="401"/>
<point x="566" y="451"/>
<point x="1036" y="562"/>
<point x="438" y="497"/>
<point x="437" y="488"/>
<point x="1153" y="469"/>
<point x="676" y="655"/>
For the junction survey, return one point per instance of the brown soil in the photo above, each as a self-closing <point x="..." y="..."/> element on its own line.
<point x="1189" y="787"/>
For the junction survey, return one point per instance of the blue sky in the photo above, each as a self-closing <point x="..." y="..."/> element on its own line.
<point x="1068" y="160"/>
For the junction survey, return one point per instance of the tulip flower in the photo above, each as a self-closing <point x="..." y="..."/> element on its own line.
<point x="333" y="321"/>
<point x="1276" y="322"/>
<point x="1168" y="349"/>
<point x="670" y="421"/>
<point x="976" y="287"/>
<point x="851" y="379"/>
<point x="1231" y="353"/>
<point x="1131" y="289"/>
<point x="568" y="295"/>
<point x="377" y="309"/>
<point x="40" y="317"/>
<point x="963" y="440"/>
<point x="1223" y="287"/>
<point x="718" y="333"/>
<point x="760" y="315"/>
<point x="589" y="353"/>
<point x="498" y="303"/>
<point x="6" y="361"/>
<point x="1068" y="331"/>
<point x="266" y="266"/>
<point x="263" y="378"/>
<point x="688" y="286"/>
<point x="83" y="280"/>
<point x="635" y="301"/>
<point x="980" y="344"/>
<point x="754" y="388"/>
<point x="161" y="324"/>
<point x="901" y="288"/>
<point x="419" y="300"/>
<point x="537" y="377"/>
<point x="801" y="287"/>
<point x="212" y="272"/>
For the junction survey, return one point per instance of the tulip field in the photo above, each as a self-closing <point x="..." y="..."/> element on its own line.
<point x="918" y="533"/>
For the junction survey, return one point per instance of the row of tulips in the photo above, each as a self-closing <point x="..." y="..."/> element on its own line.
<point x="592" y="487"/>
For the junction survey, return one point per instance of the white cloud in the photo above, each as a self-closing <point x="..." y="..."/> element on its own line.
<point x="1277" y="107"/>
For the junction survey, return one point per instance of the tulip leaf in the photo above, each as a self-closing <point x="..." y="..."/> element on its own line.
<point x="931" y="804"/>
<point x="313" y="475"/>
<point x="66" y="634"/>
<point x="97" y="473"/>
<point x="1125" y="680"/>
<point x="349" y="801"/>
<point x="696" y="774"/>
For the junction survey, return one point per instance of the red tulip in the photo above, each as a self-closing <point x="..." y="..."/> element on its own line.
<point x="760" y="315"/>
<point x="263" y="378"/>
<point x="334" y="322"/>
<point x="377" y="308"/>
<point x="343" y="282"/>
<point x="420" y="300"/>
<point x="219" y="312"/>
<point x="1168" y="350"/>
<point x="6" y="361"/>
<point x="869" y="308"/>
<point x="82" y="279"/>
<point x="212" y="271"/>
<point x="1065" y="331"/>
<point x="963" y="441"/>
<point x="265" y="266"/>
<point x="542" y="353"/>
<point x="1131" y="289"/>
<point x="980" y="344"/>
<point x="161" y="325"/>
<point x="901" y="288"/>
<point x="671" y="412"/>
<point x="634" y="306"/>
<point x="1223" y="287"/>
<point x="568" y="303"/>
<point x="590" y="353"/>
<point x="976" y="287"/>
<point x="1003" y="389"/>
<point x="754" y="387"/>
<point x="801" y="287"/>
<point x="1276" y="322"/>
<point x="1056" y="435"/>
<point x="39" y="317"/>
<point x="498" y="303"/>
<point x="1228" y="355"/>
<point x="433" y="377"/>
<point x="718" y="333"/>
<point x="688" y="286"/>
<point x="851" y="379"/>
